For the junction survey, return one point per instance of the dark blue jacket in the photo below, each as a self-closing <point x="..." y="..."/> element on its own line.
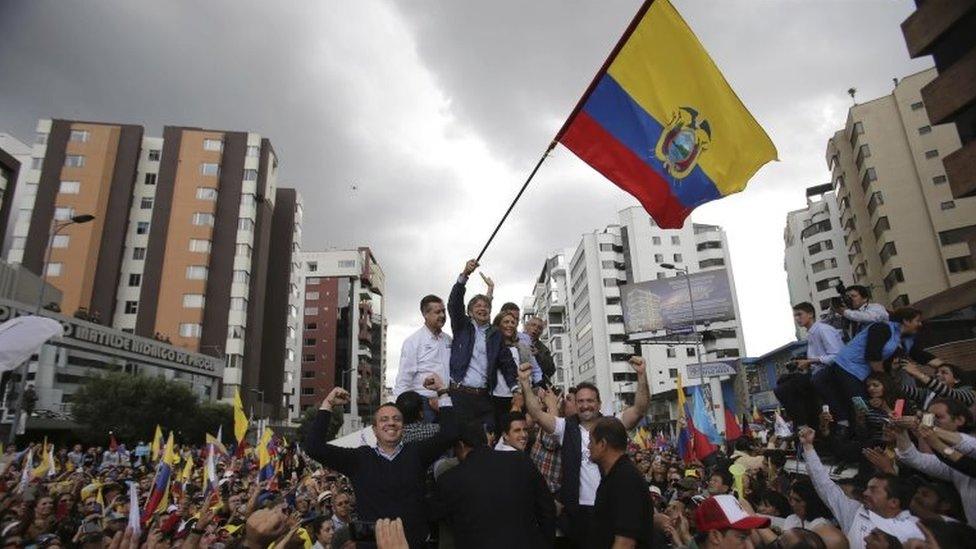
<point x="462" y="346"/>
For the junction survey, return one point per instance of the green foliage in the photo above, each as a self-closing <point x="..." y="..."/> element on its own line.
<point x="305" y="423"/>
<point x="132" y="405"/>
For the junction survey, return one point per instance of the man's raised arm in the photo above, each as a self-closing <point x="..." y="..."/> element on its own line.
<point x="532" y="403"/>
<point x="642" y="400"/>
<point x="333" y="457"/>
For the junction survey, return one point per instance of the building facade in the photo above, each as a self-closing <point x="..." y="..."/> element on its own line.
<point x="180" y="245"/>
<point x="344" y="331"/>
<point x="550" y="302"/>
<point x="904" y="231"/>
<point x="634" y="251"/>
<point x="815" y="255"/>
<point x="15" y="161"/>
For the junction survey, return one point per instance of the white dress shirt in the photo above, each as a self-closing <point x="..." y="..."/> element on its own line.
<point x="823" y="342"/>
<point x="423" y="354"/>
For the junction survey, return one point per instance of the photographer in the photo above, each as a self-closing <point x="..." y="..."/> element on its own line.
<point x="856" y="307"/>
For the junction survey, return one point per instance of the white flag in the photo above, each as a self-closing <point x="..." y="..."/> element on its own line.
<point x="21" y="337"/>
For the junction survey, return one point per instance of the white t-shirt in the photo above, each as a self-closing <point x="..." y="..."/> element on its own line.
<point x="589" y="471"/>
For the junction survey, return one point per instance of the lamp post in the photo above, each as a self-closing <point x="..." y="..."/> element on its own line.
<point x="694" y="330"/>
<point x="58" y="227"/>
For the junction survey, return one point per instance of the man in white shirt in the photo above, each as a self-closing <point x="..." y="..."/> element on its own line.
<point x="885" y="507"/>
<point x="862" y="311"/>
<point x="427" y="351"/>
<point x="795" y="390"/>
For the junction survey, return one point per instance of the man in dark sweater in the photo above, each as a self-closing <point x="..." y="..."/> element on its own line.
<point x="389" y="479"/>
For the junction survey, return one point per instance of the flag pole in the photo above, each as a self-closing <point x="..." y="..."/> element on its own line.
<point x="519" y="195"/>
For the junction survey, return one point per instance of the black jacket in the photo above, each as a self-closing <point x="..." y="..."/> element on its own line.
<point x="462" y="345"/>
<point x="497" y="499"/>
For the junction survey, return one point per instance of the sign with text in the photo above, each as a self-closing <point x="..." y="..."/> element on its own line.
<point x="710" y="369"/>
<point x="664" y="304"/>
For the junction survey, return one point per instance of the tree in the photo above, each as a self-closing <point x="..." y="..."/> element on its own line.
<point x="132" y="405"/>
<point x="308" y="416"/>
<point x="209" y="417"/>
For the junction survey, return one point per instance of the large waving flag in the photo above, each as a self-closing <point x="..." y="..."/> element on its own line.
<point x="240" y="418"/>
<point x="159" y="492"/>
<point x="156" y="448"/>
<point x="703" y="419"/>
<point x="732" y="429"/>
<point x="661" y="122"/>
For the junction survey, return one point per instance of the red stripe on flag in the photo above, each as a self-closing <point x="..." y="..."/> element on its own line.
<point x="598" y="148"/>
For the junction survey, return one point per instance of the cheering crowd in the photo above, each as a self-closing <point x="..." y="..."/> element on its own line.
<point x="874" y="449"/>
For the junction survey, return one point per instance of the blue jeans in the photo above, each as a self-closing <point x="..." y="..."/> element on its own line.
<point x="837" y="387"/>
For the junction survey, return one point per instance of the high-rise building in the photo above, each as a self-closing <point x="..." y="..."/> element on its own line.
<point x="905" y="233"/>
<point x="15" y="163"/>
<point x="344" y="331"/>
<point x="180" y="243"/>
<point x="816" y="256"/>
<point x="634" y="251"/>
<point x="550" y="302"/>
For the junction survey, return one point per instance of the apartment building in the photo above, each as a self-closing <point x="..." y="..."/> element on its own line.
<point x="635" y="250"/>
<point x="344" y="331"/>
<point x="815" y="256"/>
<point x="15" y="159"/>
<point x="550" y="302"/>
<point x="180" y="243"/>
<point x="904" y="232"/>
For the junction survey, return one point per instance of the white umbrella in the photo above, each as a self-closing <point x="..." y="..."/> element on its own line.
<point x="21" y="337"/>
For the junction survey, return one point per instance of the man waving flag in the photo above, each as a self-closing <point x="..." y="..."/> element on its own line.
<point x="662" y="123"/>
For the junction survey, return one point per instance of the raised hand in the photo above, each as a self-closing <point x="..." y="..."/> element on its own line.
<point x="638" y="364"/>
<point x="337" y="397"/>
<point x="880" y="460"/>
<point x="470" y="267"/>
<point x="488" y="281"/>
<point x="525" y="373"/>
<point x="390" y="534"/>
<point x="806" y="435"/>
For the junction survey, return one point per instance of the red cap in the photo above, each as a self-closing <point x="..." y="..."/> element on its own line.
<point x="725" y="513"/>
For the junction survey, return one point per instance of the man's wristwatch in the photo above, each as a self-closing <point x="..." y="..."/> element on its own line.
<point x="948" y="451"/>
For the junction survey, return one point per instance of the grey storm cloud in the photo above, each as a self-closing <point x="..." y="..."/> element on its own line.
<point x="436" y="110"/>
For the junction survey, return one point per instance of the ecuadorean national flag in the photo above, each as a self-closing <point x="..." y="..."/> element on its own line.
<point x="662" y="123"/>
<point x="159" y="492"/>
<point x="266" y="468"/>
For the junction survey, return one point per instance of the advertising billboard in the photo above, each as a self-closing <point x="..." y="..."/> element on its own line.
<point x="664" y="304"/>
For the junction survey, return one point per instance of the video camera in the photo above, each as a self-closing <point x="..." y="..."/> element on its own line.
<point x="841" y="300"/>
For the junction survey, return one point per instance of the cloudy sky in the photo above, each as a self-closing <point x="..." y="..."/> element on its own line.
<point x="436" y="110"/>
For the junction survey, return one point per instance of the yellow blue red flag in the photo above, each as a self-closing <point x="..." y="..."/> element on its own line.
<point x="661" y="122"/>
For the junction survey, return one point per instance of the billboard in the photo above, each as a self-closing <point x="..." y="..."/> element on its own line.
<point x="663" y="304"/>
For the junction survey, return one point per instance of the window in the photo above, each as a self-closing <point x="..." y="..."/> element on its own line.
<point x="138" y="254"/>
<point x="881" y="226"/>
<point x="63" y="214"/>
<point x="887" y="251"/>
<point x="154" y="155"/>
<point x="199" y="245"/>
<point x="956" y="236"/>
<point x="247" y="200"/>
<point x="816" y="228"/>
<point x="948" y="205"/>
<point x="203" y="218"/>
<point x="606" y="264"/>
<point x="671" y="352"/>
<point x="190" y="330"/>
<point x="60" y="241"/>
<point x="307" y="374"/>
<point x="213" y="145"/>
<point x="706" y="263"/>
<point x="869" y="176"/>
<point x="710" y="245"/>
<point x="142" y="227"/>
<point x="54" y="269"/>
<point x="238" y="304"/>
<point x="311" y="311"/>
<point x="36" y="163"/>
<point x="206" y="193"/>
<point x="609" y="282"/>
<point x="876" y="200"/>
<point x="932" y="154"/>
<point x="311" y="326"/>
<point x="146" y="203"/>
<point x="250" y="175"/>
<point x="959" y="264"/>
<point x="862" y="152"/>
<point x="135" y="279"/>
<point x="79" y="135"/>
<point x="209" y="168"/>
<point x="820" y="246"/>
<point x="69" y="187"/>
<point x="243" y="250"/>
<point x="242" y="277"/>
<point x="924" y="130"/>
<point x="677" y="258"/>
<point x="308" y="391"/>
<point x="656" y="240"/>
<point x="857" y="130"/>
<point x="894" y="276"/>
<point x="196" y="272"/>
<point x="311" y="296"/>
<point x="309" y="341"/>
<point x="939" y="179"/>
<point x="676" y="240"/>
<point x="917" y="105"/>
<point x="659" y="258"/>
<point x="150" y="179"/>
<point x="827" y="283"/>
<point x="823" y="265"/>
<point x="308" y="358"/>
<point x="690" y="351"/>
<point x="312" y="266"/>
<point x="253" y="150"/>
<point x="245" y="224"/>
<point x="131" y="307"/>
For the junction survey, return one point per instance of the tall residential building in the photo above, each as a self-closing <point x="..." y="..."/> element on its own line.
<point x="344" y="332"/>
<point x="905" y="233"/>
<point x="180" y="244"/>
<point x="15" y="162"/>
<point x="550" y="302"/>
<point x="816" y="256"/>
<point x="633" y="251"/>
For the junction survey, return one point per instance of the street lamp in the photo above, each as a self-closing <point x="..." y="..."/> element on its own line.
<point x="58" y="227"/>
<point x="694" y="329"/>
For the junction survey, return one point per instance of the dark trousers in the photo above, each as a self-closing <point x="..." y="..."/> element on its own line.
<point x="501" y="405"/>
<point x="575" y="525"/>
<point x="469" y="407"/>
<point x="837" y="387"/>
<point x="796" y="393"/>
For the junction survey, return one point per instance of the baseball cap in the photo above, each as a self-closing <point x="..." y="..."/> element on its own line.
<point x="655" y="491"/>
<point x="724" y="513"/>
